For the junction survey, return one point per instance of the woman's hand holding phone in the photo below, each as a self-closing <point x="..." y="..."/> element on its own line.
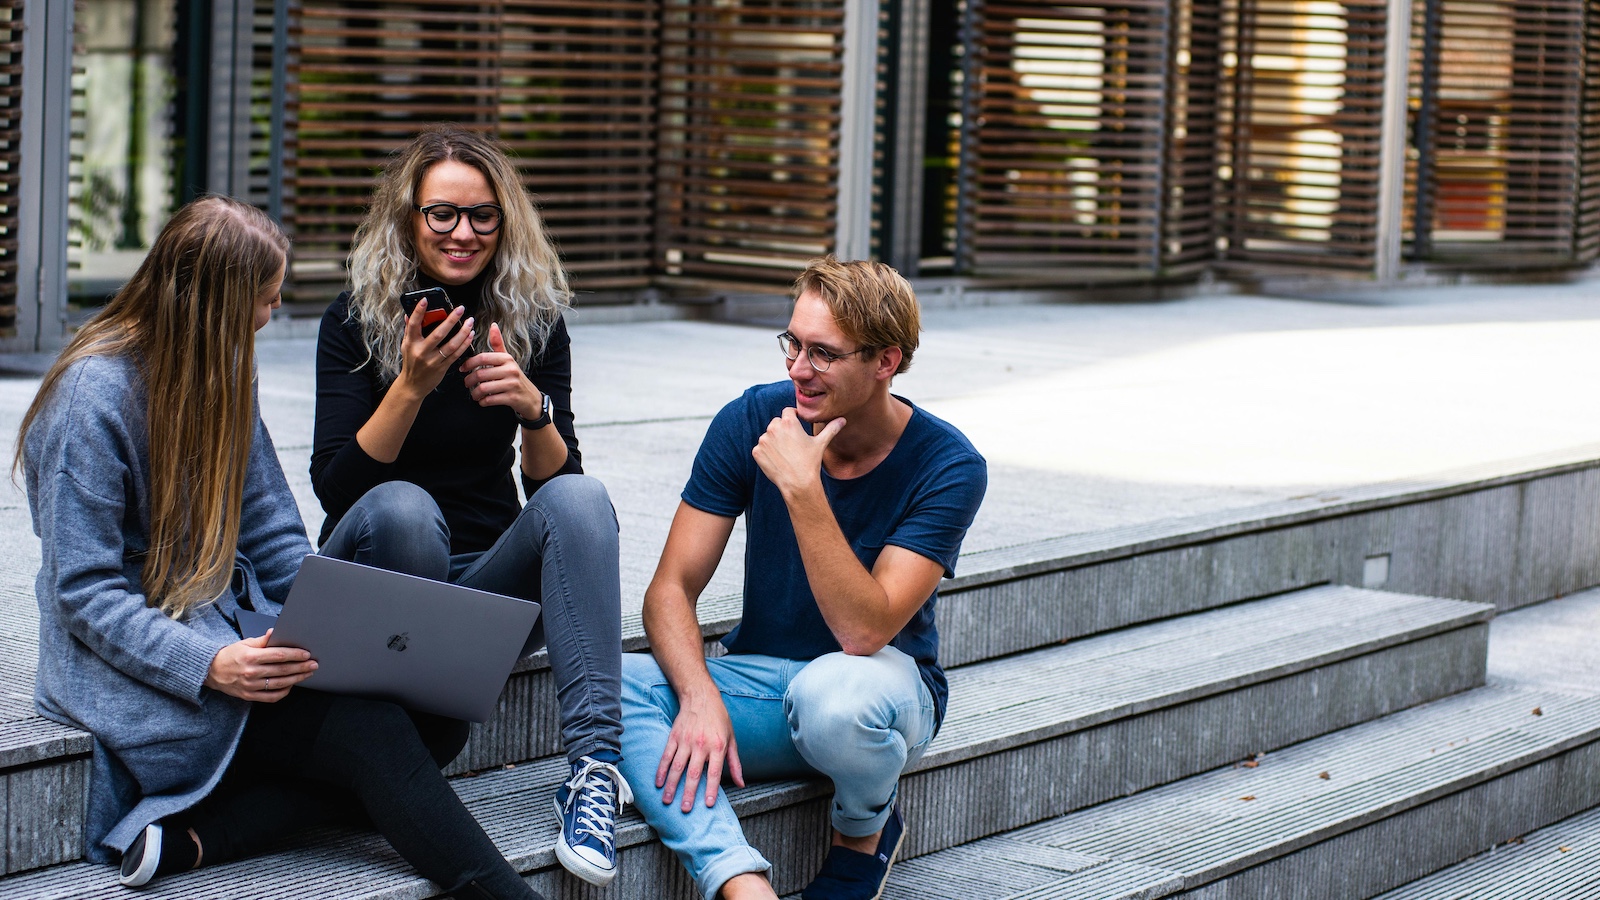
<point x="426" y="357"/>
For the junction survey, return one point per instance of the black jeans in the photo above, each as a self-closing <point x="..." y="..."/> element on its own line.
<point x="382" y="762"/>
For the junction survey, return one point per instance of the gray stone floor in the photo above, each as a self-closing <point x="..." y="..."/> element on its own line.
<point x="1551" y="644"/>
<point x="1092" y="416"/>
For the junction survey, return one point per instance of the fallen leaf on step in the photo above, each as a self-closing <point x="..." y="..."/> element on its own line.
<point x="1515" y="840"/>
<point x="1324" y="776"/>
<point x="1249" y="764"/>
<point x="1538" y="710"/>
<point x="1565" y="849"/>
<point x="1248" y="797"/>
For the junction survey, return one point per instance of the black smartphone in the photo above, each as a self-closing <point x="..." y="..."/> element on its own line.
<point x="439" y="306"/>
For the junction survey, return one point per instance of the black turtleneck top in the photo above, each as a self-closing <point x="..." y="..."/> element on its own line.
<point x="461" y="453"/>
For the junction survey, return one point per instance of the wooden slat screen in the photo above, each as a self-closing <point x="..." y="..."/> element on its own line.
<point x="1190" y="196"/>
<point x="260" y="104"/>
<point x="1586" y="238"/>
<point x="10" y="157"/>
<point x="570" y="89"/>
<point x="1065" y="156"/>
<point x="1542" y="125"/>
<point x="749" y="137"/>
<point x="1301" y="116"/>
<point x="1503" y="127"/>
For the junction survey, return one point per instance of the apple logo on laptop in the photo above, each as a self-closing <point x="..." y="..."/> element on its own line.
<point x="397" y="642"/>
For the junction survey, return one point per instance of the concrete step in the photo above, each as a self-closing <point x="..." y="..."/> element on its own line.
<point x="1028" y="737"/>
<point x="1558" y="862"/>
<point x="1348" y="815"/>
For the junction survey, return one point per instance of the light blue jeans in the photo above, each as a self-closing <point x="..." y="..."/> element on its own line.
<point x="561" y="551"/>
<point x="858" y="720"/>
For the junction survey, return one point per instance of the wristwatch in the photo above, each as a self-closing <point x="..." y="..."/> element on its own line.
<point x="542" y="421"/>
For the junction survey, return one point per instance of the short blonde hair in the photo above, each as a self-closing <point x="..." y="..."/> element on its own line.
<point x="872" y="303"/>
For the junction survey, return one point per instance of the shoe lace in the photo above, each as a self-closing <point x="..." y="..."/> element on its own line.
<point x="595" y="789"/>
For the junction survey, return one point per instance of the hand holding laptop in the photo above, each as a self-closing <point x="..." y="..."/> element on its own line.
<point x="251" y="670"/>
<point x="427" y="645"/>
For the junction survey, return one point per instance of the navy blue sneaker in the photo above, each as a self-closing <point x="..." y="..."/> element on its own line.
<point x="587" y="806"/>
<point x="852" y="875"/>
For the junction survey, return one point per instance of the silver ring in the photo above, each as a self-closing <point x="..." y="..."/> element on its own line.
<point x="269" y="684"/>
<point x="442" y="353"/>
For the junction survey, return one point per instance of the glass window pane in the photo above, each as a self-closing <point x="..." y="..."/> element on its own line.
<point x="121" y="186"/>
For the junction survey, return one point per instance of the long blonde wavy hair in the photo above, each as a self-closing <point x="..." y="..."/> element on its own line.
<point x="187" y="320"/>
<point x="527" y="289"/>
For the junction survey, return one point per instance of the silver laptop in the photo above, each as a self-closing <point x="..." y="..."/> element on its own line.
<point x="426" y="645"/>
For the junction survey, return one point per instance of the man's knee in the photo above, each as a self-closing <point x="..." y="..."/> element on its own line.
<point x="837" y="694"/>
<point x="844" y="710"/>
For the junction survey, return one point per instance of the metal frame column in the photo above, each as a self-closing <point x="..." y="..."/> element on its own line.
<point x="228" y="99"/>
<point x="903" y="135"/>
<point x="1392" y="159"/>
<point x="42" y="192"/>
<point x="853" y="238"/>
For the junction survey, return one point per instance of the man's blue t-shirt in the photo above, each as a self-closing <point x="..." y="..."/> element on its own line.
<point x="922" y="497"/>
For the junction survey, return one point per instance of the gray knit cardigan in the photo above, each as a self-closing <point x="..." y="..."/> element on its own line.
<point x="108" y="663"/>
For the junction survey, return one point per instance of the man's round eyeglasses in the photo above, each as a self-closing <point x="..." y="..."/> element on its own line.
<point x="820" y="358"/>
<point x="442" y="217"/>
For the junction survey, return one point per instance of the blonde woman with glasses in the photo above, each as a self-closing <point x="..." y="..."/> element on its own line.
<point x="418" y="424"/>
<point x="162" y="510"/>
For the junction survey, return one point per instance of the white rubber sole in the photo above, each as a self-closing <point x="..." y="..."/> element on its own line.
<point x="149" y="858"/>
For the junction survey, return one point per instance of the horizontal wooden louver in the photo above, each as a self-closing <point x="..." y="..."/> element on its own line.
<point x="10" y="157"/>
<point x="1586" y="242"/>
<point x="577" y="107"/>
<point x="568" y="88"/>
<point x="1189" y="228"/>
<point x="1498" y="149"/>
<point x="1066" y="152"/>
<point x="749" y="136"/>
<point x="1542" y="130"/>
<point x="1302" y="112"/>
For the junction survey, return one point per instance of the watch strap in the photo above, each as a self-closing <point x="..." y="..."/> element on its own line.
<point x="545" y="412"/>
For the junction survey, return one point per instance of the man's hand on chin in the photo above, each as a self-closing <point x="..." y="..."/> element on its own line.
<point x="790" y="455"/>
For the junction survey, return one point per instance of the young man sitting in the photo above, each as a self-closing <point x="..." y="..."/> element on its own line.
<point x="855" y="506"/>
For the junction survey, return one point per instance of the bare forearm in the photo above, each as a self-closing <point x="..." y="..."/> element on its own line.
<point x="385" y="432"/>
<point x="676" y="642"/>
<point x="855" y="606"/>
<point x="543" y="452"/>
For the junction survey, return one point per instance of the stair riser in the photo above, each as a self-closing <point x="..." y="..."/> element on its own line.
<point x="1510" y="545"/>
<point x="1414" y="843"/>
<point x="42" y="809"/>
<point x="1006" y="789"/>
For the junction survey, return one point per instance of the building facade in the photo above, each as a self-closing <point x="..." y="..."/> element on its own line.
<point x="683" y="148"/>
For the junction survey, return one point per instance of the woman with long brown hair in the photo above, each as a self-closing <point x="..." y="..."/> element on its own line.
<point x="417" y="433"/>
<point x="162" y="512"/>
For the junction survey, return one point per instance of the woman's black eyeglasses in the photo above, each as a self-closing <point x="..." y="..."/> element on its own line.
<point x="442" y="217"/>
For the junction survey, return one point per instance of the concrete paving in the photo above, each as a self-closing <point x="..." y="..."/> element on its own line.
<point x="1092" y="416"/>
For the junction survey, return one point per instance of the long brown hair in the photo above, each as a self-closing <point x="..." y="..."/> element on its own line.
<point x="187" y="320"/>
<point x="527" y="289"/>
